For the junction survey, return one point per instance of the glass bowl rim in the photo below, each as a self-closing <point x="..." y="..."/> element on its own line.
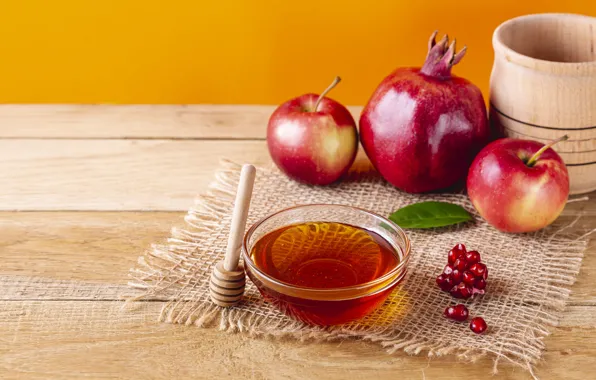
<point x="393" y="272"/>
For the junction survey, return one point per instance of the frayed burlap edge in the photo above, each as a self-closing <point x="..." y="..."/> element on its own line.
<point x="155" y="275"/>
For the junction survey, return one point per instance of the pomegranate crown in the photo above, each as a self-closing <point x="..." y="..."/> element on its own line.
<point x="441" y="57"/>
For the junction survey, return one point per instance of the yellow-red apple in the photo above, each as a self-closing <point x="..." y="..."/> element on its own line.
<point x="312" y="138"/>
<point x="518" y="185"/>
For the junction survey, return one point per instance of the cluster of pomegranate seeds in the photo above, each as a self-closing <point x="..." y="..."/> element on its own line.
<point x="464" y="275"/>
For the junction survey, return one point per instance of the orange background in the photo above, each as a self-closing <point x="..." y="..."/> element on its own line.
<point x="234" y="51"/>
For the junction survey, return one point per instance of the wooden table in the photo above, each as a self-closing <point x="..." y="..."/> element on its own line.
<point x="85" y="189"/>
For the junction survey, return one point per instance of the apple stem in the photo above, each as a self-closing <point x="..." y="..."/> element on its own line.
<point x="537" y="155"/>
<point x="329" y="88"/>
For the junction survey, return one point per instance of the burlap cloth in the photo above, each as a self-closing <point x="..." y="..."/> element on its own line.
<point x="528" y="285"/>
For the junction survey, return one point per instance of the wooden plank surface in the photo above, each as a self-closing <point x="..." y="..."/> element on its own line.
<point x="58" y="174"/>
<point x="95" y="186"/>
<point x="143" y="121"/>
<point x="113" y="174"/>
<point x="41" y="341"/>
<point x="97" y="247"/>
<point x="137" y="121"/>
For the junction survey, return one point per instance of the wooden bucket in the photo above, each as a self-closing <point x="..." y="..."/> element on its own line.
<point x="543" y="86"/>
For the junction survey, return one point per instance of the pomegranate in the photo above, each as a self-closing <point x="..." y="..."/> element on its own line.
<point x="422" y="127"/>
<point x="458" y="312"/>
<point x="464" y="275"/>
<point x="478" y="325"/>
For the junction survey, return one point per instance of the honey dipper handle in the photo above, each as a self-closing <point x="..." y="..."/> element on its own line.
<point x="241" y="206"/>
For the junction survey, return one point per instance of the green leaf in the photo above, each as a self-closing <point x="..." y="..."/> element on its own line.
<point x="429" y="215"/>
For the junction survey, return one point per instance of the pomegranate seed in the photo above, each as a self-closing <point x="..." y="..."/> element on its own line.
<point x="461" y="291"/>
<point x="460" y="264"/>
<point x="469" y="278"/>
<point x="459" y="249"/>
<point x="480" y="284"/>
<point x="472" y="257"/>
<point x="448" y="269"/>
<point x="452" y="256"/>
<point x="456" y="276"/>
<point x="458" y="312"/>
<point x="444" y="282"/>
<point x="465" y="291"/>
<point x="479" y="270"/>
<point x="478" y="325"/>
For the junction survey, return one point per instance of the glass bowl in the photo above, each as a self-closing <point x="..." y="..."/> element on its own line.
<point x="327" y="306"/>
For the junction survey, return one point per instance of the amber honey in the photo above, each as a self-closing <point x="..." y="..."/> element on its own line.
<point x="324" y="255"/>
<point x="319" y="256"/>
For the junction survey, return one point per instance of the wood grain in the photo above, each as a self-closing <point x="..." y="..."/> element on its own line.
<point x="120" y="175"/>
<point x="80" y="246"/>
<point x="40" y="340"/>
<point x="137" y="121"/>
<point x="114" y="174"/>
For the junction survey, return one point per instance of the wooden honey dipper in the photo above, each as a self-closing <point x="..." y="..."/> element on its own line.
<point x="228" y="279"/>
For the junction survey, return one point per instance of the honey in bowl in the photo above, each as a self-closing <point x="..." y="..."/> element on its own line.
<point x="324" y="255"/>
<point x="354" y="265"/>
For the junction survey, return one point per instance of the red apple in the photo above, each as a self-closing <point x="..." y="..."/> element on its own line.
<point x="313" y="139"/>
<point x="518" y="185"/>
